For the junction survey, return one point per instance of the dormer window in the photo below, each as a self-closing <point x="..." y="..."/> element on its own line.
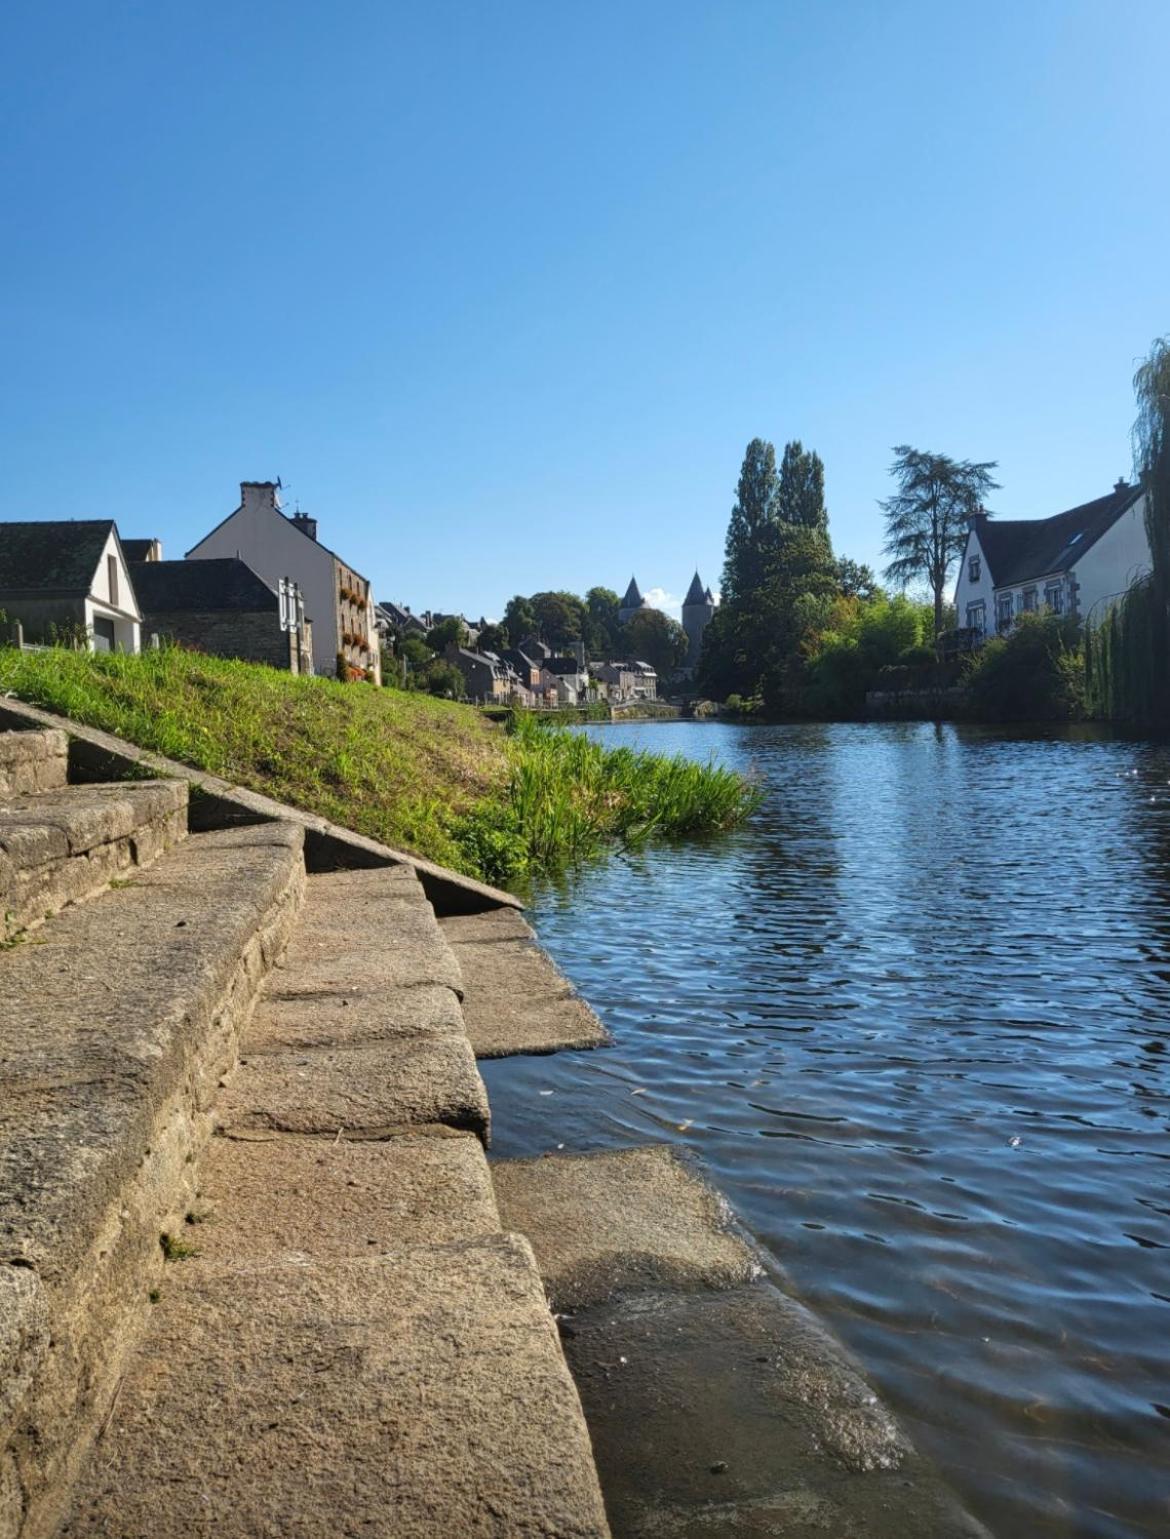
<point x="974" y="567"/>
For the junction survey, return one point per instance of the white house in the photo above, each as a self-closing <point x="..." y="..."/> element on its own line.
<point x="1073" y="563"/>
<point x="337" y="598"/>
<point x="69" y="577"/>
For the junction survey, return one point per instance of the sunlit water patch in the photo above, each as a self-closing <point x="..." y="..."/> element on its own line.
<point x="916" y="1021"/>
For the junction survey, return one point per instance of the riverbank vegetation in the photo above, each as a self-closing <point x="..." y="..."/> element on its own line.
<point x="1035" y="673"/>
<point x="800" y="631"/>
<point x="421" y="774"/>
<point x="1128" y="657"/>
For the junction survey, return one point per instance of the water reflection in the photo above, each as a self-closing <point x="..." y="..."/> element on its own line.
<point x="915" y="1021"/>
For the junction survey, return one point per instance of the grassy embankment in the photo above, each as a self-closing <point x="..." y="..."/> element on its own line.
<point x="420" y="774"/>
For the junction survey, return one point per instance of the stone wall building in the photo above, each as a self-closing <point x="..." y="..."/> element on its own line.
<point x="631" y="603"/>
<point x="698" y="610"/>
<point x="224" y="608"/>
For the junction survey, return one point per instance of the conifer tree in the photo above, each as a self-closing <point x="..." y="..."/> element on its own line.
<point x="926" y="518"/>
<point x="750" y="531"/>
<point x="800" y="488"/>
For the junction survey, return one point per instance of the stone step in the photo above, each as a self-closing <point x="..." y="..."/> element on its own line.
<point x="273" y="1196"/>
<point x="515" y="998"/>
<point x="360" y="1028"/>
<point x="33" y="761"/>
<point x="117" y="1020"/>
<point x="411" y="1395"/>
<point x="61" y="846"/>
<point x="716" y="1402"/>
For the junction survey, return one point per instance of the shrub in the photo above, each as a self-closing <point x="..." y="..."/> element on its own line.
<point x="1036" y="673"/>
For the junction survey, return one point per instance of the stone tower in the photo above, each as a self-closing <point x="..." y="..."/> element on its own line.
<point x="697" y="610"/>
<point x="632" y="602"/>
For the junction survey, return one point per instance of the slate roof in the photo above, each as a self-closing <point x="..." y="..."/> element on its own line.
<point x="695" y="593"/>
<point x="137" y="550"/>
<point x="186" y="587"/>
<point x="633" y="598"/>
<point x="1018" y="550"/>
<point x="562" y="666"/>
<point x="516" y="658"/>
<point x="58" y="557"/>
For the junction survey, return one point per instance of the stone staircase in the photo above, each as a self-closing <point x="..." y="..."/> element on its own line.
<point x="253" y="1279"/>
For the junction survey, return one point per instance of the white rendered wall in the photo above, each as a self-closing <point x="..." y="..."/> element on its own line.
<point x="1113" y="564"/>
<point x="968" y="592"/>
<point x="259" y="534"/>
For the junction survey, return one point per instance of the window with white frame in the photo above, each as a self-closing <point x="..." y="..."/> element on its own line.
<point x="1054" y="597"/>
<point x="1031" y="601"/>
<point x="977" y="617"/>
<point x="974" y="567"/>
<point x="1004" y="612"/>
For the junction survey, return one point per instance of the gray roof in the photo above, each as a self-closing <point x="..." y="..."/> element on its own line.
<point x="183" y="587"/>
<point x="59" y="556"/>
<point x="1018" y="550"/>
<point x="138" y="550"/>
<point x="695" y="593"/>
<point x="633" y="598"/>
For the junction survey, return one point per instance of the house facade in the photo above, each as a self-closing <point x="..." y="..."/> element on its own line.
<point x="69" y="577"/>
<point x="486" y="678"/>
<point x="222" y="607"/>
<point x="1074" y="563"/>
<point x="627" y="681"/>
<point x="337" y="598"/>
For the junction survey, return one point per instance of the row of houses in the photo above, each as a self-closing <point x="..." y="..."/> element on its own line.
<point x="532" y="675"/>
<point x="260" y="586"/>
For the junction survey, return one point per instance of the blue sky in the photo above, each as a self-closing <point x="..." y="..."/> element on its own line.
<point x="501" y="291"/>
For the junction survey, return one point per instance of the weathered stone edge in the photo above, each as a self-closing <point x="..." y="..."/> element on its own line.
<point x="44" y="1435"/>
<point x="99" y="755"/>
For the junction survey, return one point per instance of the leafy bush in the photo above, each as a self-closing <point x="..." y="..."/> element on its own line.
<point x="861" y="639"/>
<point x="1036" y="673"/>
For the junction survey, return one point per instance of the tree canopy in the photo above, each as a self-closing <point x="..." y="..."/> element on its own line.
<point x="927" y="517"/>
<point x="800" y="489"/>
<point x="752" y="524"/>
<point x="560" y="618"/>
<point x="450" y="629"/>
<point x="602" y="626"/>
<point x="653" y="637"/>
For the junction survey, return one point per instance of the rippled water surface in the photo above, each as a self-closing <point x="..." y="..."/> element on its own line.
<point x="916" y="1021"/>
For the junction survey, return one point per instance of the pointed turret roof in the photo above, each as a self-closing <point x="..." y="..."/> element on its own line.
<point x="710" y="597"/>
<point x="695" y="594"/>
<point x="633" y="599"/>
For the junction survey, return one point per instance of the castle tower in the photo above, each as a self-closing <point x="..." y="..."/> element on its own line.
<point x="698" y="609"/>
<point x="632" y="602"/>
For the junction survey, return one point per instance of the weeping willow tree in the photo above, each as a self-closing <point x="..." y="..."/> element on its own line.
<point x="1128" y="656"/>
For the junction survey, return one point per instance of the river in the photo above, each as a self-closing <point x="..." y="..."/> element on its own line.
<point x="915" y="1020"/>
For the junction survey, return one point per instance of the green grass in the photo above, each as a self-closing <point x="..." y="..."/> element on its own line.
<point x="421" y="774"/>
